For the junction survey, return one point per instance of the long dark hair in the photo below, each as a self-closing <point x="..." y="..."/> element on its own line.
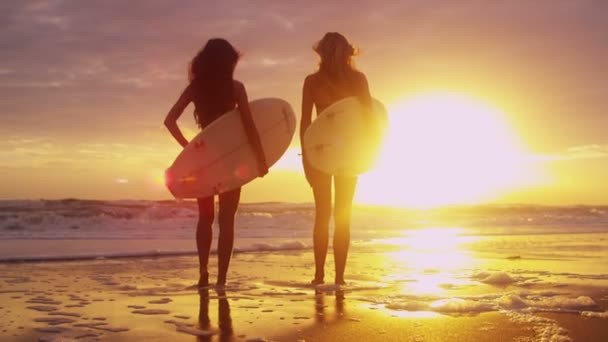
<point x="336" y="58"/>
<point x="211" y="77"/>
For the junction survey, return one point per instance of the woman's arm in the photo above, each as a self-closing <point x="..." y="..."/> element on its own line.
<point x="363" y="91"/>
<point x="367" y="96"/>
<point x="305" y="120"/>
<point x="250" y="130"/>
<point x="175" y="112"/>
<point x="366" y="99"/>
<point x="307" y="103"/>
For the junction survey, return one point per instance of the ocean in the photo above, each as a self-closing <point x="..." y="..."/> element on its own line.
<point x="542" y="267"/>
<point x="74" y="229"/>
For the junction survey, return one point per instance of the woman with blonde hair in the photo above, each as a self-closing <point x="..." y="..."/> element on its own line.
<point x="335" y="80"/>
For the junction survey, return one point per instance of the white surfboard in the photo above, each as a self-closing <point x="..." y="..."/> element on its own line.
<point x="220" y="158"/>
<point x="341" y="142"/>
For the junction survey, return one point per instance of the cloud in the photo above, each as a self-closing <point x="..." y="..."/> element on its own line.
<point x="111" y="69"/>
<point x="574" y="153"/>
<point x="586" y="152"/>
<point x="273" y="62"/>
<point x="283" y="22"/>
<point x="20" y="152"/>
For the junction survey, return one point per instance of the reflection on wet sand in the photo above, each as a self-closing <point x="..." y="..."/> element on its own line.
<point x="226" y="332"/>
<point x="320" y="306"/>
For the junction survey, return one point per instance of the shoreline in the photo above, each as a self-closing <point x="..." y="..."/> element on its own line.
<point x="65" y="250"/>
<point x="268" y="298"/>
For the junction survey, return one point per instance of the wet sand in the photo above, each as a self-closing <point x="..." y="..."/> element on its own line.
<point x="268" y="298"/>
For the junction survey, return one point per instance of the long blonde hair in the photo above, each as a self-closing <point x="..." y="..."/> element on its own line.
<point x="336" y="57"/>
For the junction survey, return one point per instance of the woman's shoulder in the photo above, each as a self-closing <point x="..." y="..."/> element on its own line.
<point x="360" y="80"/>
<point x="312" y="78"/>
<point x="238" y="84"/>
<point x="238" y="88"/>
<point x="359" y="76"/>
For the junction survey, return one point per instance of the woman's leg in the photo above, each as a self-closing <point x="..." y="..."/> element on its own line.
<point x="345" y="191"/>
<point x="229" y="202"/>
<point x="321" y="189"/>
<point x="204" y="235"/>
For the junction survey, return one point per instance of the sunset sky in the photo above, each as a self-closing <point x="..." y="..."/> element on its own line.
<point x="85" y="86"/>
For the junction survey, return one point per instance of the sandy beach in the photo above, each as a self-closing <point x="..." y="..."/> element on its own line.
<point x="268" y="299"/>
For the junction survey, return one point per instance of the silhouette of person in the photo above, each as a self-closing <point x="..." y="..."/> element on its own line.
<point x="335" y="79"/>
<point x="214" y="92"/>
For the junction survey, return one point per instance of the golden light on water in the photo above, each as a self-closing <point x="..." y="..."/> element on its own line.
<point x="443" y="149"/>
<point x="428" y="264"/>
<point x="433" y="254"/>
<point x="433" y="248"/>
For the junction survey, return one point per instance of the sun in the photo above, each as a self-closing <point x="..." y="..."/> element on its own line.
<point x="445" y="149"/>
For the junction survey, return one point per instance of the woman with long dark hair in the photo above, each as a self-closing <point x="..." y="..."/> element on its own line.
<point x="335" y="79"/>
<point x="214" y="91"/>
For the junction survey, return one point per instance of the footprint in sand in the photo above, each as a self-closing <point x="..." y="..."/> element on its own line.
<point x="101" y="326"/>
<point x="136" y="307"/>
<point x="62" y="313"/>
<point x="54" y="320"/>
<point x="43" y="300"/>
<point x="52" y="330"/>
<point x="151" y="312"/>
<point x="42" y="308"/>
<point x="71" y="336"/>
<point x="194" y="331"/>
<point x="161" y="301"/>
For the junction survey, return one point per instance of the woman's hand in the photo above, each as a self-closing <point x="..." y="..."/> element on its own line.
<point x="262" y="167"/>
<point x="250" y="128"/>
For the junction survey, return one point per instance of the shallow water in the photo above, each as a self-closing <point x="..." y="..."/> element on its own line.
<point x="144" y="227"/>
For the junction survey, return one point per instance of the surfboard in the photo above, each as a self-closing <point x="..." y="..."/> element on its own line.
<point x="220" y="158"/>
<point x="340" y="140"/>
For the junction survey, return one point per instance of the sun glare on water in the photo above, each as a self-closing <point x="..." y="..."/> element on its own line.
<point x="445" y="149"/>
<point x="431" y="257"/>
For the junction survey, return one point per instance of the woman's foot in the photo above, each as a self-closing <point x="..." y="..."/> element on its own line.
<point x="340" y="282"/>
<point x="319" y="278"/>
<point x="203" y="280"/>
<point x="316" y="281"/>
<point x="221" y="282"/>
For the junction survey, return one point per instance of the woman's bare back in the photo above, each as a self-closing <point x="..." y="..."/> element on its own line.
<point x="324" y="92"/>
